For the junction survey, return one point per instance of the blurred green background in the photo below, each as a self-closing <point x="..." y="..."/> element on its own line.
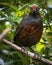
<point x="11" y="13"/>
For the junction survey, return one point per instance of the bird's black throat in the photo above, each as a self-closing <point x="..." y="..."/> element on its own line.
<point x="34" y="13"/>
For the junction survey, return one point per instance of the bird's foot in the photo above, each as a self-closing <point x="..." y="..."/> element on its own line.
<point x="37" y="55"/>
<point x="24" y="50"/>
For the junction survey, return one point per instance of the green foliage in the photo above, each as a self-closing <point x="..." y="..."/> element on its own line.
<point x="11" y="13"/>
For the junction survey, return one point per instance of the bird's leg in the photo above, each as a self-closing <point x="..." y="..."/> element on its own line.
<point x="35" y="53"/>
<point x="31" y="49"/>
<point x="24" y="49"/>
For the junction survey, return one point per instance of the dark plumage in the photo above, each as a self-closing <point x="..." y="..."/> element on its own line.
<point x="30" y="29"/>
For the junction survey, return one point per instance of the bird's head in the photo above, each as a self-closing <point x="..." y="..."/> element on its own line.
<point x="34" y="7"/>
<point x="34" y="10"/>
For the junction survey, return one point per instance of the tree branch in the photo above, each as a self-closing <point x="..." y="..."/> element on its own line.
<point x="30" y="54"/>
<point x="4" y="33"/>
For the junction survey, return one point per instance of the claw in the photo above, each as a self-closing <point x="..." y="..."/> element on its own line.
<point x="24" y="50"/>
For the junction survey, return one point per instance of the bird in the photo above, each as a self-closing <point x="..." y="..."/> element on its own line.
<point x="30" y="29"/>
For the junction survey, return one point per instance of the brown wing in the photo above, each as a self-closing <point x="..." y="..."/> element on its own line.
<point x="26" y="20"/>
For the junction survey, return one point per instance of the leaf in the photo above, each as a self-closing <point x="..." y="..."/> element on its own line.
<point x="9" y="5"/>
